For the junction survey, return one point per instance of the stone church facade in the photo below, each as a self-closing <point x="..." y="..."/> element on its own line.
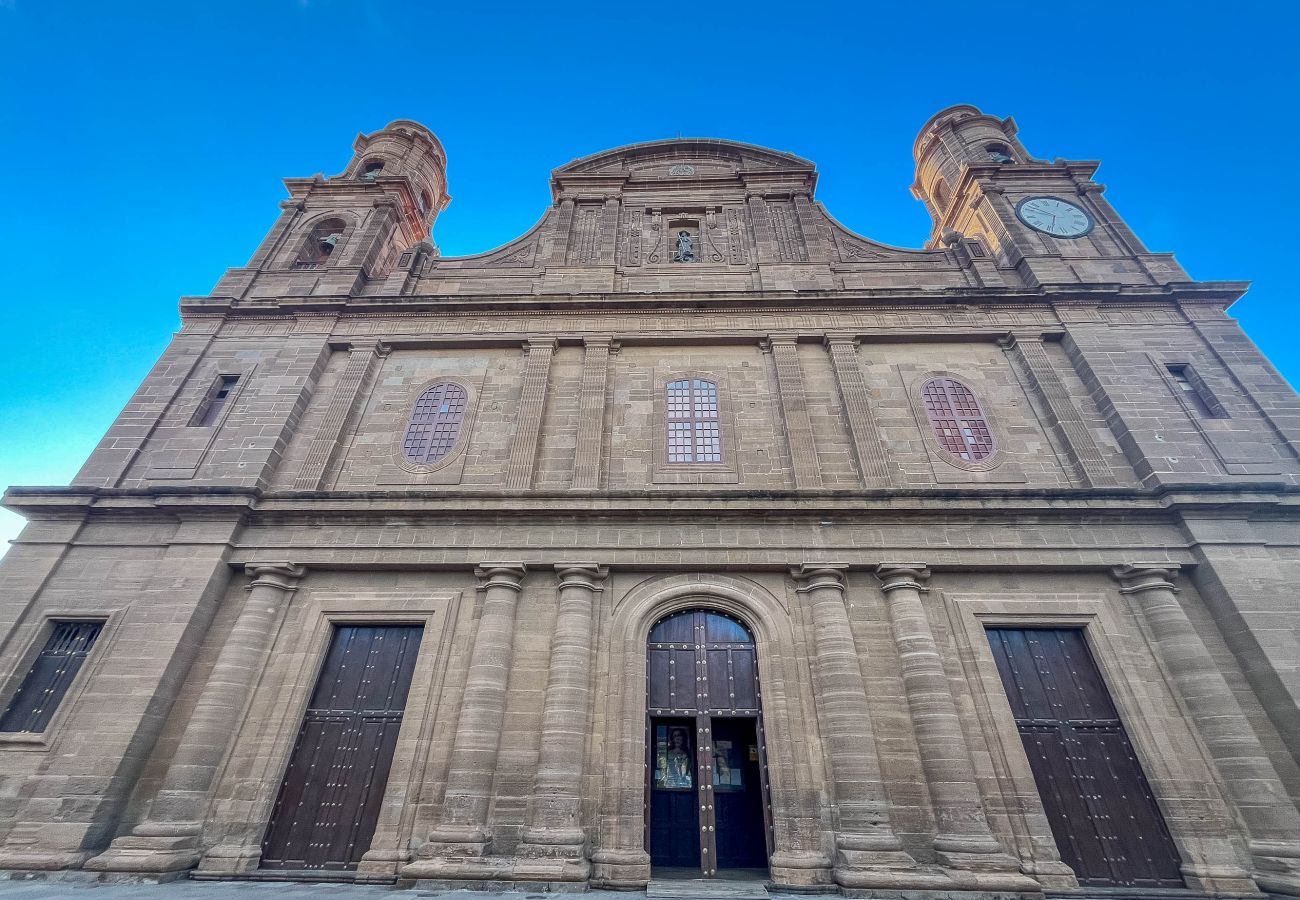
<point x="687" y="532"/>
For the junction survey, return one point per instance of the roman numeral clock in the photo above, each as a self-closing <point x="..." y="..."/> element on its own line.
<point x="1054" y="216"/>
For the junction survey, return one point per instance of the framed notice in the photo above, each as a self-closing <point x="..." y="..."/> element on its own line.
<point x="674" y="759"/>
<point x="728" y="769"/>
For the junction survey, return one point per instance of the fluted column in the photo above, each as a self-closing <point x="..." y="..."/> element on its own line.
<point x="554" y="815"/>
<point x="167" y="839"/>
<point x="964" y="839"/>
<point x="591" y="412"/>
<point x="861" y="422"/>
<point x="532" y="403"/>
<point x="344" y="403"/>
<point x="483" y="706"/>
<point x="794" y="410"/>
<point x="868" y="853"/>
<point x="1252" y="783"/>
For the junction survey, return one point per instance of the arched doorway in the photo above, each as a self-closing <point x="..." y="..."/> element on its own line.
<point x="707" y="806"/>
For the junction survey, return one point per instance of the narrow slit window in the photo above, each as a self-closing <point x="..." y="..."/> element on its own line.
<point x="435" y="423"/>
<point x="694" y="435"/>
<point x="1195" y="392"/>
<point x="209" y="411"/>
<point x="50" y="676"/>
<point x="958" y="420"/>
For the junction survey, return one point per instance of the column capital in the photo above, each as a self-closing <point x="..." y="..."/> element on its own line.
<point x="544" y="342"/>
<point x="282" y="575"/>
<point x="581" y="574"/>
<point x="1138" y="577"/>
<point x="813" y="575"/>
<point x="780" y="337"/>
<point x="834" y="338"/>
<point x="896" y="575"/>
<point x="501" y="574"/>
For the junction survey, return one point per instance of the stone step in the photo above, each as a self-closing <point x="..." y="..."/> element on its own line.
<point x="705" y="889"/>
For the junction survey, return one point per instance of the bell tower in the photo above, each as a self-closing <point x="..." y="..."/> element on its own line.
<point x="1042" y="222"/>
<point x="372" y="221"/>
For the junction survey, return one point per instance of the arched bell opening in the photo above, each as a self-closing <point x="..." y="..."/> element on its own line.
<point x="708" y="809"/>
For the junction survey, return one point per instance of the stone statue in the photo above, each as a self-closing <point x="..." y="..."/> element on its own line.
<point x="685" y="247"/>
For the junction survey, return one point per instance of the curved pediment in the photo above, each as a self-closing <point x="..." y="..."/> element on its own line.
<point x="684" y="157"/>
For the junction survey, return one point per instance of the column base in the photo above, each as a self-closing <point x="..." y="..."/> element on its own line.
<point x="620" y="870"/>
<point x="148" y="853"/>
<point x="796" y="870"/>
<point x="1277" y="866"/>
<point x="230" y="859"/>
<point x="1229" y="880"/>
<point x="877" y="860"/>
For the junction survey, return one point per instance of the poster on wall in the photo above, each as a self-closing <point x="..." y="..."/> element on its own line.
<point x="673" y="763"/>
<point x="728" y="770"/>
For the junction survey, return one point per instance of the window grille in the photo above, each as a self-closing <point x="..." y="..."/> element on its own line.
<point x="694" y="435"/>
<point x="957" y="419"/>
<point x="435" y="423"/>
<point x="50" y="676"/>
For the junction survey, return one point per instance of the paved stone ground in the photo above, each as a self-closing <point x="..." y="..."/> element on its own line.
<point x="42" y="889"/>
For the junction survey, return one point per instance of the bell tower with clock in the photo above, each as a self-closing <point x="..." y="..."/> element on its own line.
<point x="1043" y="222"/>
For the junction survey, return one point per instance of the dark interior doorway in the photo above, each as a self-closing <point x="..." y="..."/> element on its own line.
<point x="707" y="804"/>
<point x="328" y="805"/>
<point x="1104" y="817"/>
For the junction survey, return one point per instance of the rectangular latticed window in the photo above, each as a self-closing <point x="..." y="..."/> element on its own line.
<point x="1196" y="394"/>
<point x="209" y="411"/>
<point x="48" y="679"/>
<point x="694" y="435"/>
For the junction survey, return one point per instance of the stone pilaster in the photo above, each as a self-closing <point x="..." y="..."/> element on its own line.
<point x="867" y="852"/>
<point x="532" y="402"/>
<point x="794" y="410"/>
<point x="964" y="841"/>
<point x="168" y="838"/>
<point x="591" y="413"/>
<point x="560" y="234"/>
<point x="342" y="408"/>
<point x="554" y="825"/>
<point x="861" y="421"/>
<point x="1030" y="357"/>
<point x="1251" y="782"/>
<point x="462" y="830"/>
<point x="813" y="243"/>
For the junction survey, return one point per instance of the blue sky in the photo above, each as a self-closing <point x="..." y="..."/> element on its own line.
<point x="145" y="142"/>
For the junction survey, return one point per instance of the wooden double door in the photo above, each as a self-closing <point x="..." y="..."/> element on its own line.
<point x="1103" y="815"/>
<point x="707" y="804"/>
<point x="328" y="805"/>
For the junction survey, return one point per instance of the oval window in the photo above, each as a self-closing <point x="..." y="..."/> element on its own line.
<point x="435" y="423"/>
<point x="958" y="420"/>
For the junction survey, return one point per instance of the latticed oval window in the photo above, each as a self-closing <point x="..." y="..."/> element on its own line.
<point x="693" y="432"/>
<point x="435" y="423"/>
<point x="957" y="419"/>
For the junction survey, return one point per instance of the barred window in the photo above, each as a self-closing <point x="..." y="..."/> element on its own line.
<point x="50" y="676"/>
<point x="435" y="423"/>
<point x="957" y="419"/>
<point x="693" y="432"/>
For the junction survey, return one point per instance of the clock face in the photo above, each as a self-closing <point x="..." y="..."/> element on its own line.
<point x="1054" y="217"/>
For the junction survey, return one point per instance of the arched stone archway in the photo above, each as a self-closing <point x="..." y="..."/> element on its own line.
<point x="800" y="837"/>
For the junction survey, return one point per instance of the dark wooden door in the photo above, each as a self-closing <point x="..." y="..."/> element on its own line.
<point x="707" y="800"/>
<point x="328" y="806"/>
<point x="1101" y="809"/>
